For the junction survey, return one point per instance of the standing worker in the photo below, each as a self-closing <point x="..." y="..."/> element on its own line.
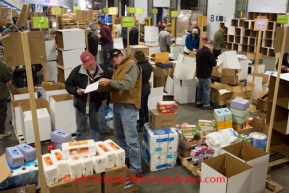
<point x="127" y="80"/>
<point x="219" y="41"/>
<point x="205" y="62"/>
<point x="133" y="34"/>
<point x="92" y="43"/>
<point x="106" y="42"/>
<point x="192" y="42"/>
<point x="86" y="105"/>
<point x="165" y="38"/>
<point x="5" y="77"/>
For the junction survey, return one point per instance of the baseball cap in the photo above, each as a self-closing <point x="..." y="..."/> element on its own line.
<point x="87" y="58"/>
<point x="113" y="53"/>
<point x="211" y="42"/>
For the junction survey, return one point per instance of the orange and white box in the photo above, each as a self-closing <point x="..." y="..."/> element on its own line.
<point x="87" y="165"/>
<point x="109" y="154"/>
<point x="75" y="167"/>
<point x="61" y="164"/>
<point x="78" y="149"/>
<point x="99" y="161"/>
<point x="50" y="169"/>
<point x="119" y="152"/>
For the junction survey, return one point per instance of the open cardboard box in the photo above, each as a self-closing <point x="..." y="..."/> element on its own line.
<point x="262" y="102"/>
<point x="230" y="60"/>
<point x="56" y="89"/>
<point x="114" y="185"/>
<point x="261" y="83"/>
<point x="161" y="57"/>
<point x="216" y="97"/>
<point x="20" y="93"/>
<point x="233" y="175"/>
<point x="69" y="58"/>
<point x="70" y="39"/>
<point x="254" y="157"/>
<point x="155" y="96"/>
<point x="230" y="76"/>
<point x="185" y="90"/>
<point x="185" y="68"/>
<point x="158" y="120"/>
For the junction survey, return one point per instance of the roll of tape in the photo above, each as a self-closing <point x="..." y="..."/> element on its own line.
<point x="258" y="139"/>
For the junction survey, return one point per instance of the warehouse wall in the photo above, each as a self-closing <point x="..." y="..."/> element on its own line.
<point x="224" y="8"/>
<point x="142" y="4"/>
<point x="271" y="6"/>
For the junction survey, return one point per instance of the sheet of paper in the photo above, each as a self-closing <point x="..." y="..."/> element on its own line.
<point x="91" y="87"/>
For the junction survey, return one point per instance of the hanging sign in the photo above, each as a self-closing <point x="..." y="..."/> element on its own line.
<point x="56" y="10"/>
<point x="260" y="24"/>
<point x="105" y="10"/>
<point x="127" y="22"/>
<point x="139" y="11"/>
<point x="155" y="11"/>
<point x="112" y="11"/>
<point x="174" y="13"/>
<point x="63" y="11"/>
<point x="131" y="10"/>
<point x="282" y="19"/>
<point x="40" y="23"/>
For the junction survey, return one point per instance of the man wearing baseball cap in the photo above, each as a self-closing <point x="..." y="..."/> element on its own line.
<point x="205" y="60"/>
<point x="127" y="80"/>
<point x="86" y="105"/>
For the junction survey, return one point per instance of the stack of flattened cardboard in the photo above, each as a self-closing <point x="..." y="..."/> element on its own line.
<point x="5" y="14"/>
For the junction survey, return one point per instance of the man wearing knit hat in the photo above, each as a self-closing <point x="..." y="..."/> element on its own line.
<point x="86" y="105"/>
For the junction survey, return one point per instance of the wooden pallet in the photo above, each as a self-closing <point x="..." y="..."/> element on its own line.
<point x="277" y="162"/>
<point x="272" y="187"/>
<point x="187" y="162"/>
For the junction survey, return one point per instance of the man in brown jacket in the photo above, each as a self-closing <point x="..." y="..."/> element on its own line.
<point x="127" y="80"/>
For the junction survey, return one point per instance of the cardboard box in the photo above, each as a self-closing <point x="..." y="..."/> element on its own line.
<point x="185" y="68"/>
<point x="259" y="123"/>
<point x="135" y="181"/>
<point x="161" y="57"/>
<point x="89" y="184"/>
<point x="230" y="60"/>
<point x="227" y="114"/>
<point x="70" y="39"/>
<point x="169" y="88"/>
<point x="240" y="120"/>
<point x="113" y="179"/>
<point x="229" y="124"/>
<point x="155" y="96"/>
<point x="239" y="113"/>
<point x="151" y="34"/>
<point x="51" y="71"/>
<point x="175" y="51"/>
<point x="185" y="90"/>
<point x="262" y="102"/>
<point x="240" y="104"/>
<point x="217" y="72"/>
<point x="261" y="68"/>
<point x="160" y="76"/>
<point x="233" y="175"/>
<point x="229" y="76"/>
<point x="62" y="113"/>
<point x="63" y="187"/>
<point x="63" y="74"/>
<point x="220" y="125"/>
<point x="70" y="58"/>
<point x="219" y="115"/>
<point x="25" y="189"/>
<point x="216" y="97"/>
<point x="252" y="57"/>
<point x="16" y="115"/>
<point x="161" y="121"/>
<point x="13" y="47"/>
<point x="134" y="49"/>
<point x="255" y="158"/>
<point x="50" y="50"/>
<point x="261" y="83"/>
<point x="56" y="89"/>
<point x="20" y="93"/>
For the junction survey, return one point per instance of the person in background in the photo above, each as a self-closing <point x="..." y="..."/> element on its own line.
<point x="165" y="21"/>
<point x="165" y="38"/>
<point x="86" y="105"/>
<point x="92" y="43"/>
<point x="205" y="38"/>
<point x="124" y="36"/>
<point x="161" y="26"/>
<point x="5" y="77"/>
<point x="133" y="34"/>
<point x="192" y="42"/>
<point x="205" y="62"/>
<point x="127" y="80"/>
<point x="10" y="29"/>
<point x="285" y="64"/>
<point x="53" y="35"/>
<point x="92" y="27"/>
<point x="106" y="42"/>
<point x="19" y="79"/>
<point x="219" y="41"/>
<point x="194" y="26"/>
<point x="146" y="88"/>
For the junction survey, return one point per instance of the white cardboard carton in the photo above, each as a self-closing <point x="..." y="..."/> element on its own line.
<point x="230" y="60"/>
<point x="50" y="50"/>
<point x="169" y="88"/>
<point x="185" y="68"/>
<point x="55" y="89"/>
<point x="20" y="94"/>
<point x="155" y="96"/>
<point x="153" y="50"/>
<point x="70" y="39"/>
<point x="62" y="113"/>
<point x="151" y="34"/>
<point x="261" y="68"/>
<point x="244" y="69"/>
<point x="175" y="51"/>
<point x="261" y="83"/>
<point x="184" y="91"/>
<point x="254" y="157"/>
<point x="69" y="58"/>
<point x="51" y="71"/>
<point x="117" y="43"/>
<point x="229" y="174"/>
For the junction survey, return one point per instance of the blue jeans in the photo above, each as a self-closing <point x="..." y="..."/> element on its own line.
<point x="106" y="49"/>
<point x="144" y="110"/>
<point x="124" y="120"/>
<point x="102" y="122"/>
<point x="204" y="90"/>
<point x="81" y="120"/>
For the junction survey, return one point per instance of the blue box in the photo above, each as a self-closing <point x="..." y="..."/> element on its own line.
<point x="165" y="66"/>
<point x="240" y="104"/>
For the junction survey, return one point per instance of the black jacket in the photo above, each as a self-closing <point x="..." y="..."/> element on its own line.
<point x="205" y="62"/>
<point x="92" y="43"/>
<point x="146" y="74"/>
<point x="79" y="79"/>
<point x="16" y="79"/>
<point x="284" y="63"/>
<point x="133" y="36"/>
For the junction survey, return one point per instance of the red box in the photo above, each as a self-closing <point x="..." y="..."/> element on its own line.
<point x="165" y="105"/>
<point x="167" y="111"/>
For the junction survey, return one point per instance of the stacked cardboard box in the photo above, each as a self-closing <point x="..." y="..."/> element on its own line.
<point x="51" y="65"/>
<point x="5" y="14"/>
<point x="151" y="35"/>
<point x="240" y="111"/>
<point x="70" y="45"/>
<point x="223" y="118"/>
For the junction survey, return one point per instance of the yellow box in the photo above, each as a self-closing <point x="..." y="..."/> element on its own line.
<point x="220" y="125"/>
<point x="229" y="124"/>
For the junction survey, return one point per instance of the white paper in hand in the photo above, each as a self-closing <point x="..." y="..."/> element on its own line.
<point x="91" y="87"/>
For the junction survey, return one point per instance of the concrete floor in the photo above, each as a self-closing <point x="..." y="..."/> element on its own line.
<point x="185" y="113"/>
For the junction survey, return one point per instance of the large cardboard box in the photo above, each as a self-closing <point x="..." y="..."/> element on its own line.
<point x="169" y="88"/>
<point x="151" y="34"/>
<point x="262" y="102"/>
<point x="161" y="57"/>
<point x="259" y="122"/>
<point x="161" y="121"/>
<point x="13" y="47"/>
<point x="113" y="179"/>
<point x="70" y="58"/>
<point x="230" y="60"/>
<point x="254" y="157"/>
<point x="70" y="39"/>
<point x="216" y="97"/>
<point x="155" y="96"/>
<point x="160" y="76"/>
<point x="229" y="76"/>
<point x="261" y="83"/>
<point x="236" y="90"/>
<point x="175" y="51"/>
<point x="63" y="74"/>
<point x="217" y="72"/>
<point x="185" y="90"/>
<point x="52" y="71"/>
<point x="62" y="113"/>
<point x="50" y="50"/>
<point x="135" y="181"/>
<point x="20" y="93"/>
<point x="89" y="184"/>
<point x="63" y="187"/>
<point x="55" y="89"/>
<point x="232" y="175"/>
<point x="16" y="115"/>
<point x="134" y="49"/>
<point x="185" y="68"/>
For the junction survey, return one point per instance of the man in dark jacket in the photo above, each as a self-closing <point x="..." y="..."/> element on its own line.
<point x="92" y="43"/>
<point x="5" y="76"/>
<point x="133" y="34"/>
<point x="205" y="60"/>
<point x="86" y="105"/>
<point x="19" y="79"/>
<point x="106" y="42"/>
<point x="146" y="88"/>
